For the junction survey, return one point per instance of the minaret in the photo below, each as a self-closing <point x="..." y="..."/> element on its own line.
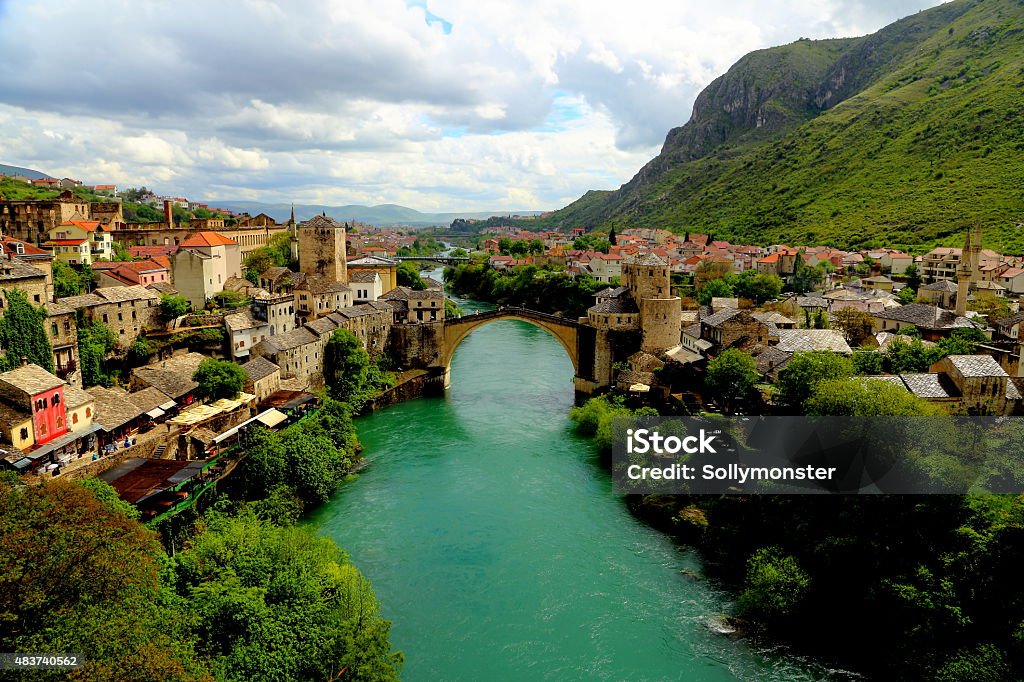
<point x="293" y="231"/>
<point x="965" y="273"/>
<point x="976" y="254"/>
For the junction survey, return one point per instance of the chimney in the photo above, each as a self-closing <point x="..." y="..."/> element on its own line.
<point x="168" y="213"/>
<point x="24" y="361"/>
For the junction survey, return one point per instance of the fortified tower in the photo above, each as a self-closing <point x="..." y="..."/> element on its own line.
<point x="647" y="278"/>
<point x="322" y="249"/>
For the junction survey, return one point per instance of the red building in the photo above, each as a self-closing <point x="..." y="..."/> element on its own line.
<point x="36" y="392"/>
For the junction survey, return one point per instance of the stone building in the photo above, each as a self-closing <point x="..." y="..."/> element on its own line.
<point x="642" y="314"/>
<point x="244" y="332"/>
<point x="31" y="220"/>
<point x="415" y="307"/>
<point x="127" y="311"/>
<point x="14" y="274"/>
<point x="732" y="328"/>
<point x="30" y="255"/>
<point x="63" y="331"/>
<point x="262" y="378"/>
<point x="982" y="386"/>
<point x="299" y="353"/>
<point x="322" y="249"/>
<point x="277" y="310"/>
<point x="318" y="296"/>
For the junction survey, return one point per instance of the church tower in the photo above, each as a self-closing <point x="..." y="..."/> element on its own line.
<point x="322" y="249"/>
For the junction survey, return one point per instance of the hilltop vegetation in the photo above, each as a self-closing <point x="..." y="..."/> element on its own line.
<point x="901" y="137"/>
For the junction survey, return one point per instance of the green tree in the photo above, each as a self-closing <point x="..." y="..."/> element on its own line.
<point x="758" y="287"/>
<point x="408" y="276"/>
<point x="279" y="603"/>
<point x="857" y="397"/>
<point x="121" y="252"/>
<point x="107" y="603"/>
<point x="219" y="379"/>
<point x="716" y="288"/>
<point x="798" y="379"/>
<point x="776" y="586"/>
<point x="66" y="281"/>
<point x="913" y="277"/>
<point x="868" y="362"/>
<point x="173" y="307"/>
<point x="229" y="299"/>
<point x="95" y="340"/>
<point x="106" y="494"/>
<point x="345" y="365"/>
<point x="804" y="277"/>
<point x="23" y="333"/>
<point x="857" y="325"/>
<point x="731" y="377"/>
<point x="906" y="295"/>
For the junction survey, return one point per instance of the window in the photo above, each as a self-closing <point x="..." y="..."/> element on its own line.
<point x="74" y="418"/>
<point x="105" y="318"/>
<point x="23" y="433"/>
<point x="120" y="317"/>
<point x="55" y="400"/>
<point x="88" y="412"/>
<point x="53" y="329"/>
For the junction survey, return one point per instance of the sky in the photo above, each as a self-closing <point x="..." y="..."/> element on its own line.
<point x="439" y="105"/>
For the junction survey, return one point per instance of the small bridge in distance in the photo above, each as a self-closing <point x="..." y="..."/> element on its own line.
<point x="443" y="260"/>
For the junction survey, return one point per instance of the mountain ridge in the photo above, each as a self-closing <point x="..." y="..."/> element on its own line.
<point x="903" y="136"/>
<point x="381" y="214"/>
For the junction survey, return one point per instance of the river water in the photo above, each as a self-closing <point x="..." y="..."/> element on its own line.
<point x="495" y="543"/>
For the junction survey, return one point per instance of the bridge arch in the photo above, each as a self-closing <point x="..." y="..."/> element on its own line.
<point x="458" y="328"/>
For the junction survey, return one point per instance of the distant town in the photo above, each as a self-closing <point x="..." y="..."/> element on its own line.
<point x="131" y="309"/>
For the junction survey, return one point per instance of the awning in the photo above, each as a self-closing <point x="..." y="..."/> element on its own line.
<point x="272" y="417"/>
<point x="168" y="406"/>
<point x="269" y="418"/>
<point x="155" y="413"/>
<point x="67" y="438"/>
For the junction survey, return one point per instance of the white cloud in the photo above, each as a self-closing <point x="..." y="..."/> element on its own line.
<point x="534" y="101"/>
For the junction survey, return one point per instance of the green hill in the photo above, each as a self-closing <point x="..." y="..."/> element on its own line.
<point x="904" y="137"/>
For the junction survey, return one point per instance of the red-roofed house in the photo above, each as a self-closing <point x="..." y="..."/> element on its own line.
<point x="142" y="272"/>
<point x="100" y="242"/>
<point x="1012" y="279"/>
<point x="203" y="264"/>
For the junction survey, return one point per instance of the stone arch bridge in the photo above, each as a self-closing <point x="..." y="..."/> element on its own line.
<point x="577" y="339"/>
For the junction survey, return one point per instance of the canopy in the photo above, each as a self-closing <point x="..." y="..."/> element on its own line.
<point x="272" y="417"/>
<point x="155" y="413"/>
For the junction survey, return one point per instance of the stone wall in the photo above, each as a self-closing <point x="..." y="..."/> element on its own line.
<point x="417" y="346"/>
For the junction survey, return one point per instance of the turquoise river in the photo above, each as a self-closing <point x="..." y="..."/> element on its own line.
<point x="499" y="551"/>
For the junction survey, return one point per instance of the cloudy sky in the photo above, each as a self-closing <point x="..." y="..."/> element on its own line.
<point x="440" y="105"/>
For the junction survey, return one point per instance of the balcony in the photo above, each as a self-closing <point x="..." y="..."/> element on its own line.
<point x="66" y="369"/>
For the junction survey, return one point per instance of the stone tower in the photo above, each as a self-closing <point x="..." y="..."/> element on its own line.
<point x="321" y="245"/>
<point x="967" y="271"/>
<point x="648" y="281"/>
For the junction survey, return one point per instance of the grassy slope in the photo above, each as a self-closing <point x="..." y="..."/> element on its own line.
<point x="930" y="146"/>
